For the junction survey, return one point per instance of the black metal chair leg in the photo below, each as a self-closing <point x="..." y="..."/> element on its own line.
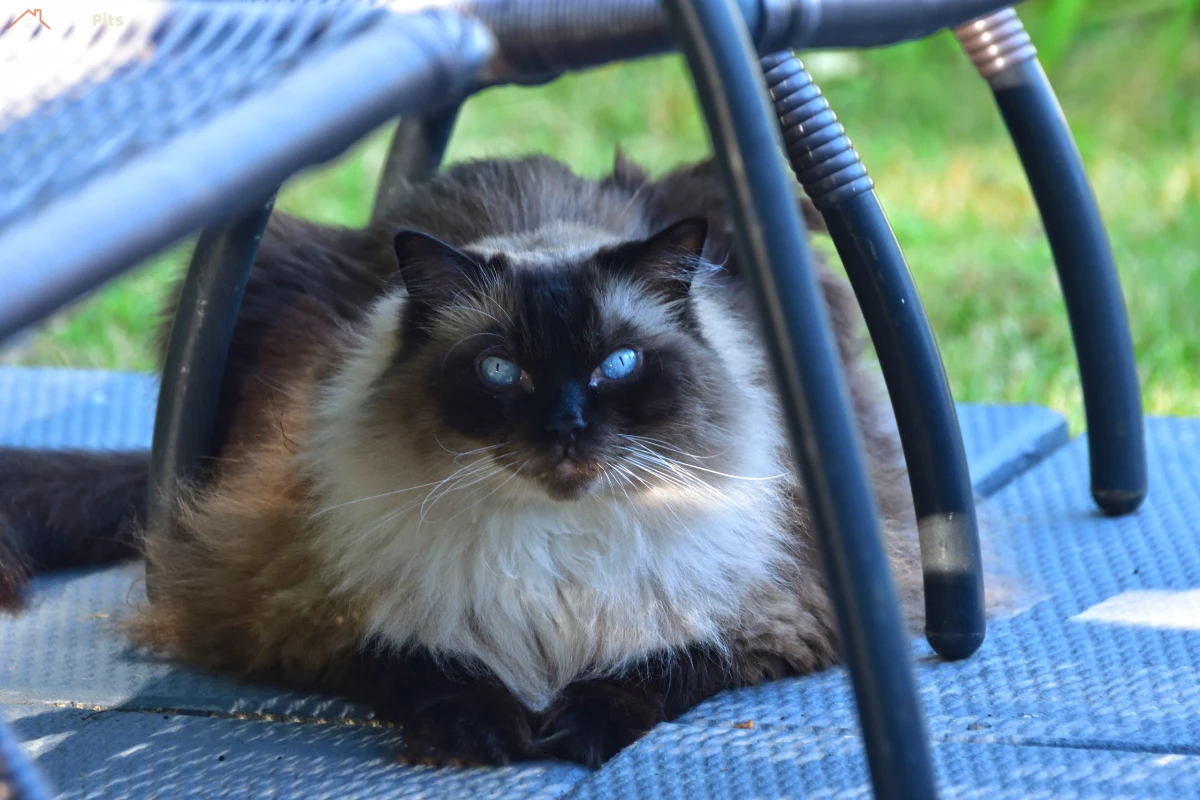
<point x="415" y="154"/>
<point x="775" y="258"/>
<point x="834" y="177"/>
<point x="185" y="423"/>
<point x="1004" y="55"/>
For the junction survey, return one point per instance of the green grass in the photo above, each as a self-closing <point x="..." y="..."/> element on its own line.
<point x="1129" y="81"/>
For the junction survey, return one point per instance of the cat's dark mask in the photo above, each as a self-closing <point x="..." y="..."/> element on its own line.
<point x="579" y="375"/>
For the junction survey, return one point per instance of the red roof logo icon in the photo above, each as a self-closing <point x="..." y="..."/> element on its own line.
<point x="36" y="13"/>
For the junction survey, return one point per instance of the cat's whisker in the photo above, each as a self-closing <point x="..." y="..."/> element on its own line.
<point x="474" y="310"/>
<point x="477" y="451"/>
<point x="649" y="451"/>
<point x="450" y="483"/>
<point x="492" y="492"/>
<point x="384" y="520"/>
<point x="432" y="499"/>
<point x="632" y="476"/>
<point x="469" y="470"/>
<point x="649" y="457"/>
<point x="463" y="339"/>
<point x="686" y="528"/>
<point x="457" y="453"/>
<point x="511" y="497"/>
<point x="674" y="468"/>
<point x="650" y="441"/>
<point x="392" y="493"/>
<point x="613" y="486"/>
<point x="606" y="476"/>
<point x="477" y="290"/>
<point x="465" y="482"/>
<point x="666" y="478"/>
<point x="427" y="506"/>
<point x="652" y="444"/>
<point x="621" y="486"/>
<point x="677" y="476"/>
<point x="456" y="459"/>
<point x="493" y="467"/>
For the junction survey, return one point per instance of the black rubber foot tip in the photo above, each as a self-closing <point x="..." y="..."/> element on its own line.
<point x="955" y="647"/>
<point x="1118" y="502"/>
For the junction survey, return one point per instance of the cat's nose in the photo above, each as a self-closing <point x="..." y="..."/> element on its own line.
<point x="567" y="426"/>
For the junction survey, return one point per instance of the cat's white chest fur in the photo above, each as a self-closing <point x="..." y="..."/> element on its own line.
<point x="540" y="591"/>
<point x="543" y="592"/>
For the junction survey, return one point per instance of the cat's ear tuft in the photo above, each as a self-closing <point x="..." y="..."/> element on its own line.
<point x="626" y="174"/>
<point x="433" y="272"/>
<point x="668" y="260"/>
<point x="683" y="239"/>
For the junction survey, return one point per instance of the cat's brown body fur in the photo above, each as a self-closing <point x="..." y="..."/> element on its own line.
<point x="243" y="584"/>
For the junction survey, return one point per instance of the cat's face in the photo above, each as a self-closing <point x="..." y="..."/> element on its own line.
<point x="585" y="376"/>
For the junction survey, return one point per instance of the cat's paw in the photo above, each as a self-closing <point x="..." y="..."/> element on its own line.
<point x="467" y="728"/>
<point x="594" y="720"/>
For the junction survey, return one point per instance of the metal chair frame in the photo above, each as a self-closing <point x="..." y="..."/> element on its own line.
<point x="753" y="107"/>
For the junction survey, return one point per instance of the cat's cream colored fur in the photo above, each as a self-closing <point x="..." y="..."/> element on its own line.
<point x="545" y="591"/>
<point x="336" y="519"/>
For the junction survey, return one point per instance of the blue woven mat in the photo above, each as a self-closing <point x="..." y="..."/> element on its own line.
<point x="681" y="762"/>
<point x="102" y="723"/>
<point x="1090" y="687"/>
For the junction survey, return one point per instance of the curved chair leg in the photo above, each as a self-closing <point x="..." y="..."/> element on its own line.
<point x="185" y="423"/>
<point x="775" y="258"/>
<point x="1004" y="55"/>
<point x="415" y="154"/>
<point x="832" y="174"/>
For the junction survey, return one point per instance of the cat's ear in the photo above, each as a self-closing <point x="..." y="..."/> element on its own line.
<point x="626" y="174"/>
<point x="667" y="260"/>
<point x="433" y="272"/>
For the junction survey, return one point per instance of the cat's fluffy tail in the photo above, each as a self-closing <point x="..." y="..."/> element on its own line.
<point x="62" y="509"/>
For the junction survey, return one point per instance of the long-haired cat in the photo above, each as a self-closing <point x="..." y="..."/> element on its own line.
<point x="508" y="467"/>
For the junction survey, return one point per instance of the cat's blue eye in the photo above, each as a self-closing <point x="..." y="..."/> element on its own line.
<point x="619" y="364"/>
<point x="499" y="372"/>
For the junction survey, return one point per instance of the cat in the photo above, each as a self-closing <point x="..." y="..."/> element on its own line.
<point x="507" y="466"/>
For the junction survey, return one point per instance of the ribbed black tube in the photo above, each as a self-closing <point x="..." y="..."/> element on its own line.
<point x="185" y="423"/>
<point x="833" y="175"/>
<point x="1099" y="324"/>
<point x="1004" y="55"/>
<point x="775" y="258"/>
